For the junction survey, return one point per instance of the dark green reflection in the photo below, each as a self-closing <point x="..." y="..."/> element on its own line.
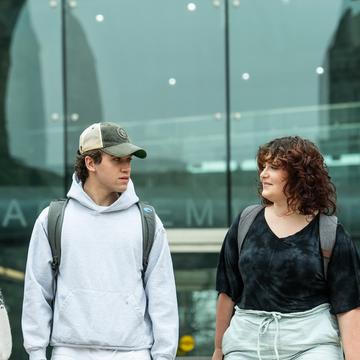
<point x="195" y="283"/>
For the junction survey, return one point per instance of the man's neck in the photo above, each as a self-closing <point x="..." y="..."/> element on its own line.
<point x="101" y="198"/>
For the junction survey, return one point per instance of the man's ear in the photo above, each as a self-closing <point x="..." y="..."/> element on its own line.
<point x="89" y="163"/>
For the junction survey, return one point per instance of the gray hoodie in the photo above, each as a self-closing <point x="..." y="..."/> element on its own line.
<point x="5" y="332"/>
<point x="101" y="300"/>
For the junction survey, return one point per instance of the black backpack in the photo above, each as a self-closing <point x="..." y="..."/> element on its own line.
<point x="56" y="217"/>
<point x="327" y="231"/>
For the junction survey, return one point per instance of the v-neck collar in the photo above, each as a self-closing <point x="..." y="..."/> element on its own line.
<point x="298" y="232"/>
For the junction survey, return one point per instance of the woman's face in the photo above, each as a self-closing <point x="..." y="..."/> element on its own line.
<point x="273" y="179"/>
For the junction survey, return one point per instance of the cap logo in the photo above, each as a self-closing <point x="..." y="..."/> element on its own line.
<point x="121" y="132"/>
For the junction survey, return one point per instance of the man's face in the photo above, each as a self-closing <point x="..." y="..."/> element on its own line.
<point x="112" y="174"/>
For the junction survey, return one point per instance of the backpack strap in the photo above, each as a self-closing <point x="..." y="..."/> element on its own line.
<point x="327" y="233"/>
<point x="148" y="230"/>
<point x="56" y="217"/>
<point x="55" y="220"/>
<point x="246" y="219"/>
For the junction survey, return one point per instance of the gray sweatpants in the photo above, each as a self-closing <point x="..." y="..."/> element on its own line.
<point x="262" y="335"/>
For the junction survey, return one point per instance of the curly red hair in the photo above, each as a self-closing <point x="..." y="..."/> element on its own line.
<point x="308" y="188"/>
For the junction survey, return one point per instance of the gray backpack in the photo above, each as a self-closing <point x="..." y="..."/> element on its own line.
<point x="327" y="231"/>
<point x="56" y="217"/>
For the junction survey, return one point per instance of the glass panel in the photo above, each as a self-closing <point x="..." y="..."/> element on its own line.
<point x="31" y="145"/>
<point x="195" y="279"/>
<point x="157" y="68"/>
<point x="296" y="73"/>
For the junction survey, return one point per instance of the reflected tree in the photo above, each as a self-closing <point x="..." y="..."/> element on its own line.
<point x="9" y="10"/>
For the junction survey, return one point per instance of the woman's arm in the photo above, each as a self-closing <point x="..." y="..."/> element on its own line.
<point x="224" y="312"/>
<point x="349" y="324"/>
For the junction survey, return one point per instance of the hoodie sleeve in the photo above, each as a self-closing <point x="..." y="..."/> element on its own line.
<point x="38" y="292"/>
<point x="161" y="293"/>
<point x="5" y="332"/>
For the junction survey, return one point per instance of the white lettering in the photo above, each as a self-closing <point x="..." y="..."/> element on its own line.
<point x="200" y="218"/>
<point x="14" y="213"/>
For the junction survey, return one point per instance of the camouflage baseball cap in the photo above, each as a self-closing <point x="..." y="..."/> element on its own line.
<point x="110" y="138"/>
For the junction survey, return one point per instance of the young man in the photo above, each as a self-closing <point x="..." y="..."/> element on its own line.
<point x="104" y="308"/>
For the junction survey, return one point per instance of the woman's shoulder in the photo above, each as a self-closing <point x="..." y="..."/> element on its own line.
<point x="343" y="237"/>
<point x="246" y="216"/>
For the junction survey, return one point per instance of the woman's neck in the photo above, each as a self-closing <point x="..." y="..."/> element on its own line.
<point x="281" y="209"/>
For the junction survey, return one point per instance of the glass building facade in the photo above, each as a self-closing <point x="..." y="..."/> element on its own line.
<point x="200" y="85"/>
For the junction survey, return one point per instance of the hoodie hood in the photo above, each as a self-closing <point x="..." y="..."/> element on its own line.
<point x="125" y="200"/>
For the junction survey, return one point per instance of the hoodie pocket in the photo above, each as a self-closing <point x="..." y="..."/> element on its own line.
<point x="91" y="317"/>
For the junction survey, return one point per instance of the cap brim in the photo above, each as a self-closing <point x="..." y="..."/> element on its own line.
<point x="125" y="149"/>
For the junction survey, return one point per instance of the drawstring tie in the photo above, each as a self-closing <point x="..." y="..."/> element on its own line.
<point x="268" y="317"/>
<point x="263" y="327"/>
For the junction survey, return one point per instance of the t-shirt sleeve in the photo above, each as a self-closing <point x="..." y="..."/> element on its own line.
<point x="344" y="274"/>
<point x="228" y="278"/>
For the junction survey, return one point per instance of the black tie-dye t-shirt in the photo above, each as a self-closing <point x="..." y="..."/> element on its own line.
<point x="286" y="274"/>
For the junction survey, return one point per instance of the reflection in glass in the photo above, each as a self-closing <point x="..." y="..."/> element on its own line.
<point x="163" y="81"/>
<point x="291" y="80"/>
<point x="31" y="137"/>
<point x="320" y="70"/>
<point x="172" y="81"/>
<point x="191" y="7"/>
<point x="195" y="281"/>
<point x="99" y="18"/>
<point x="340" y="88"/>
<point x="245" y="76"/>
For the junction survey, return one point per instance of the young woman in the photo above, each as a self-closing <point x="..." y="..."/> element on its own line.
<point x="285" y="307"/>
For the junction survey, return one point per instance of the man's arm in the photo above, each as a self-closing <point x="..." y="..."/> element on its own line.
<point x="38" y="292"/>
<point x="349" y="324"/>
<point x="224" y="312"/>
<point x="161" y="294"/>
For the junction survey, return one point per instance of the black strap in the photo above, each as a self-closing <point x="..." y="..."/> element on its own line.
<point x="55" y="221"/>
<point x="148" y="229"/>
<point x="247" y="217"/>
